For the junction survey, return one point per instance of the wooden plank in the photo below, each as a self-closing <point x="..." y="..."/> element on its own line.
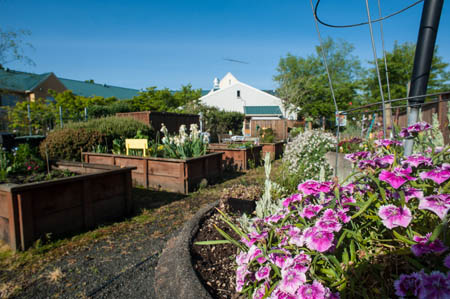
<point x="162" y="168"/>
<point x="26" y="220"/>
<point x="88" y="213"/>
<point x="4" y="204"/>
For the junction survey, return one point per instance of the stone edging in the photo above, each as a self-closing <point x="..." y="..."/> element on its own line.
<point x="174" y="275"/>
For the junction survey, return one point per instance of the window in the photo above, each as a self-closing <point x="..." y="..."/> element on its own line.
<point x="238" y="94"/>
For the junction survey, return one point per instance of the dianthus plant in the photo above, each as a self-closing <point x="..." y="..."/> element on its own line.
<point x="382" y="235"/>
<point x="305" y="155"/>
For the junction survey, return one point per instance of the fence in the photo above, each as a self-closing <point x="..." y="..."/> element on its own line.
<point x="172" y="121"/>
<point x="280" y="127"/>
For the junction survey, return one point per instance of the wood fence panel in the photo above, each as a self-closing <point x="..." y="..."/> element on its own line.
<point x="279" y="126"/>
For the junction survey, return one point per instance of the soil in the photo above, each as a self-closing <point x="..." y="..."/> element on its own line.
<point x="38" y="177"/>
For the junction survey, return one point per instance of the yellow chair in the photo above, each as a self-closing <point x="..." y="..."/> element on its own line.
<point x="140" y="144"/>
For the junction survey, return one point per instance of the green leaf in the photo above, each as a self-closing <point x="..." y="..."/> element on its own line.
<point x="402" y="238"/>
<point x="212" y="242"/>
<point x="364" y="208"/>
<point x="352" y="251"/>
<point x="229" y="238"/>
<point x="345" y="256"/>
<point x="437" y="231"/>
<point x="233" y="227"/>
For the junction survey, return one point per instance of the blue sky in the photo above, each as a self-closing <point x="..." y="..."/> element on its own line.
<point x="170" y="43"/>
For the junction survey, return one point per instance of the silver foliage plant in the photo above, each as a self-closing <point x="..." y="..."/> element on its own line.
<point x="305" y="155"/>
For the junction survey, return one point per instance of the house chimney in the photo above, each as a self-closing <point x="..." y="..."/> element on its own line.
<point x="216" y="84"/>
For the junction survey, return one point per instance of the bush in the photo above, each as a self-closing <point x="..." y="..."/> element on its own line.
<point x="97" y="111"/>
<point x="113" y="127"/>
<point x="221" y="122"/>
<point x="67" y="143"/>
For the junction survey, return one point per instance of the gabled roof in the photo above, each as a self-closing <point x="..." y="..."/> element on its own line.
<point x="262" y="110"/>
<point x="20" y="81"/>
<point x="87" y="89"/>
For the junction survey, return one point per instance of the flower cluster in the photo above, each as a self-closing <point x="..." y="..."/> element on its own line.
<point x="305" y="155"/>
<point x="304" y="249"/>
<point x="184" y="145"/>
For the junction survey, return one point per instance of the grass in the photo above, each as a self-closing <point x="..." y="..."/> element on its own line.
<point x="164" y="210"/>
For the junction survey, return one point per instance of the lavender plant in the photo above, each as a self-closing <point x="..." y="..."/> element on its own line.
<point x="382" y="235"/>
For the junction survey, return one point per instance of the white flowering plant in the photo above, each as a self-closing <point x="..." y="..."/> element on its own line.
<point x="184" y="145"/>
<point x="304" y="157"/>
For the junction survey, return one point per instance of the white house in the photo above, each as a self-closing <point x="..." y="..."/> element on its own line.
<point x="230" y="94"/>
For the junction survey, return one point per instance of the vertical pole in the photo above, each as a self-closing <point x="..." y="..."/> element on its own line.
<point x="29" y="121"/>
<point x="429" y="23"/>
<point x="85" y="114"/>
<point x="60" y="117"/>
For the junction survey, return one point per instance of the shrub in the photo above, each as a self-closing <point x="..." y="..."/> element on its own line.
<point x="67" y="143"/>
<point x="221" y="122"/>
<point x="113" y="127"/>
<point x="97" y="111"/>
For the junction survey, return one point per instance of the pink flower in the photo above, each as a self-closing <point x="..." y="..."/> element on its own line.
<point x="301" y="262"/>
<point x="296" y="236"/>
<point x="278" y="259"/>
<point x="343" y="216"/>
<point x="329" y="225"/>
<point x="261" y="291"/>
<point x="291" y="280"/>
<point x="439" y="204"/>
<point x="393" y="216"/>
<point x="255" y="253"/>
<point x="364" y="164"/>
<point x="355" y="157"/>
<point x="397" y="177"/>
<point x="385" y="161"/>
<point x="318" y="240"/>
<point x="312" y="291"/>
<point x="435" y="285"/>
<point x="293" y="198"/>
<point x="386" y="142"/>
<point x="416" y="160"/>
<point x="438" y="175"/>
<point x="310" y="211"/>
<point x="273" y="218"/>
<point x="312" y="187"/>
<point x="413" y="130"/>
<point x="423" y="245"/>
<point x="241" y="273"/>
<point x="263" y="273"/>
<point x="413" y="193"/>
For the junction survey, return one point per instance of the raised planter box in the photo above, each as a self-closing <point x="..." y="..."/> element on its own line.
<point x="173" y="175"/>
<point x="237" y="158"/>
<point x="61" y="206"/>
<point x="275" y="149"/>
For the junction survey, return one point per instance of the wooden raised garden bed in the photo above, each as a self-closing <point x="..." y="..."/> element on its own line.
<point x="174" y="175"/>
<point x="237" y="158"/>
<point x="31" y="211"/>
<point x="275" y="149"/>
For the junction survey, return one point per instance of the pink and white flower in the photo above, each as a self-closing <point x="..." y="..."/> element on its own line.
<point x="438" y="204"/>
<point x="397" y="177"/>
<point x="393" y="216"/>
<point x="312" y="291"/>
<point x="309" y="211"/>
<point x="263" y="273"/>
<point x="438" y="175"/>
<point x="424" y="246"/>
<point x="291" y="280"/>
<point x="319" y="240"/>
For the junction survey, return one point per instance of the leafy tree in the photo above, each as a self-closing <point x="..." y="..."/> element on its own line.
<point x="400" y="64"/>
<point x="12" y="47"/>
<point x="40" y="113"/>
<point x="303" y="81"/>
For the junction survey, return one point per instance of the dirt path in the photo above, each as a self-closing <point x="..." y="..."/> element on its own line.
<point x="114" y="261"/>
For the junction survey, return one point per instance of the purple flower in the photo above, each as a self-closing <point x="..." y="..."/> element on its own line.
<point x="312" y="187"/>
<point x="312" y="291"/>
<point x="438" y="175"/>
<point x="355" y="157"/>
<point x="423" y="245"/>
<point x="318" y="240"/>
<point x="364" y="164"/>
<point x="393" y="216"/>
<point x="263" y="273"/>
<point x="447" y="261"/>
<point x="413" y="130"/>
<point x="310" y="211"/>
<point x="416" y="160"/>
<point x="291" y="280"/>
<point x="397" y="177"/>
<point x="385" y="161"/>
<point x="439" y="204"/>
<point x="408" y="285"/>
<point x="386" y="143"/>
<point x="435" y="285"/>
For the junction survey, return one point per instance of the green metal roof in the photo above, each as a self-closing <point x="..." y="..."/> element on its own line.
<point x="262" y="110"/>
<point x="20" y="81"/>
<point x="86" y="89"/>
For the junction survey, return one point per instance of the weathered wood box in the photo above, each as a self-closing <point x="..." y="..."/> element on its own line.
<point x="173" y="175"/>
<point x="237" y="158"/>
<point x="275" y="149"/>
<point x="31" y="211"/>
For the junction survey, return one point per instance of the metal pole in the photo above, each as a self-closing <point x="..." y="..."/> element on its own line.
<point x="85" y="114"/>
<point x="426" y="41"/>
<point x="29" y="121"/>
<point x="60" y="117"/>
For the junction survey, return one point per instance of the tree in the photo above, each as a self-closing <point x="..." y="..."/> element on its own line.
<point x="12" y="47"/>
<point x="400" y="64"/>
<point x="303" y="82"/>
